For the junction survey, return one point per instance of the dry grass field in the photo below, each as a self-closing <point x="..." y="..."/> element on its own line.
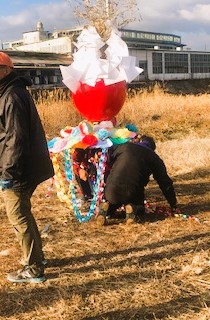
<point x="158" y="270"/>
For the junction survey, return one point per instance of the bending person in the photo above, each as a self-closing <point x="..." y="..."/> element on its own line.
<point x="133" y="163"/>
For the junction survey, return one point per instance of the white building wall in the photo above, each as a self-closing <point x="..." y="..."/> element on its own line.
<point x="149" y="64"/>
<point x="200" y="76"/>
<point x="34" y="36"/>
<point x="146" y="56"/>
<point x="31" y="37"/>
<point x="60" y="45"/>
<point x="141" y="57"/>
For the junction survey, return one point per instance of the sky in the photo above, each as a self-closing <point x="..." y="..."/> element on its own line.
<point x="189" y="19"/>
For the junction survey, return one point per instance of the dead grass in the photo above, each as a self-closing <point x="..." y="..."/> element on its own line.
<point x="153" y="271"/>
<point x="190" y="155"/>
<point x="165" y="116"/>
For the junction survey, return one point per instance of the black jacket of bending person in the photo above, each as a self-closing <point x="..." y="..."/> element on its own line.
<point x="132" y="166"/>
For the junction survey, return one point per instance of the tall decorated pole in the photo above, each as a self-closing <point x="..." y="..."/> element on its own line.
<point x="97" y="79"/>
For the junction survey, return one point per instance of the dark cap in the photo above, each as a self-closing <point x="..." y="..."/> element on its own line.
<point x="149" y="141"/>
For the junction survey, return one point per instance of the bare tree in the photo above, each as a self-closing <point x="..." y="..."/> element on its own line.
<point x="103" y="13"/>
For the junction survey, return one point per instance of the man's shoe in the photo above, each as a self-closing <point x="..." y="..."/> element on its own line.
<point x="26" y="275"/>
<point x="102" y="215"/>
<point x="130" y="216"/>
<point x="134" y="214"/>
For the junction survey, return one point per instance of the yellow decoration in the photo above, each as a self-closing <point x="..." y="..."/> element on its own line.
<point x="61" y="183"/>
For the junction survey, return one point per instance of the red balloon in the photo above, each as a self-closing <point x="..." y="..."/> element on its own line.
<point x="100" y="102"/>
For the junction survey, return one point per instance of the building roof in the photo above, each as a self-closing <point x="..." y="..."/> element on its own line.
<point x="38" y="59"/>
<point x="139" y="37"/>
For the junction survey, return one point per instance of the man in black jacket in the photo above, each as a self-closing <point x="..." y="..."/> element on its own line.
<point x="24" y="163"/>
<point x="133" y="163"/>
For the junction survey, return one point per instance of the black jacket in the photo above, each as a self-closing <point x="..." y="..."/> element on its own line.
<point x="132" y="166"/>
<point x="24" y="155"/>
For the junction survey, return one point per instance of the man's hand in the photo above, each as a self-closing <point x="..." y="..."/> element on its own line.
<point x="6" y="184"/>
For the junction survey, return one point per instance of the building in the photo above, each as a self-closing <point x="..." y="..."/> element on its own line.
<point x="42" y="68"/>
<point x="162" y="56"/>
<point x="40" y="40"/>
<point x="166" y="65"/>
<point x="62" y="41"/>
<point x="37" y="35"/>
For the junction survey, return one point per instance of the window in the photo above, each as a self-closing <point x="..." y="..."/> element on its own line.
<point x="177" y="39"/>
<point x="143" y="65"/>
<point x="176" y="63"/>
<point x="157" y="62"/>
<point x="159" y="37"/>
<point x="128" y="34"/>
<point x="200" y="63"/>
<point x="163" y="37"/>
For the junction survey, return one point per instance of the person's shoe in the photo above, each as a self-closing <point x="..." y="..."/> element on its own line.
<point x="44" y="262"/>
<point x="134" y="214"/>
<point x="102" y="215"/>
<point x="130" y="216"/>
<point x="26" y="275"/>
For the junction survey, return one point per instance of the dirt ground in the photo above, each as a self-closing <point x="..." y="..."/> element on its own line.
<point x="156" y="270"/>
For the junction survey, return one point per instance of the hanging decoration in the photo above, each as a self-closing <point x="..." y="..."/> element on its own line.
<point x="92" y="142"/>
<point x="97" y="187"/>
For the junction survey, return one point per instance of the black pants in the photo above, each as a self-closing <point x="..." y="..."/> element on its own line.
<point x="123" y="194"/>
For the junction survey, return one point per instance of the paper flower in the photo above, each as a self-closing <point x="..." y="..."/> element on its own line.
<point x="124" y="133"/>
<point x="66" y="131"/>
<point x="51" y="143"/>
<point x="102" y="134"/>
<point x="90" y="140"/>
<point x="59" y="145"/>
<point x="103" y="125"/>
<point x="85" y="127"/>
<point x="75" y="132"/>
<point x="119" y="140"/>
<point x="103" y="144"/>
<point x="106" y="124"/>
<point x="131" y="127"/>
